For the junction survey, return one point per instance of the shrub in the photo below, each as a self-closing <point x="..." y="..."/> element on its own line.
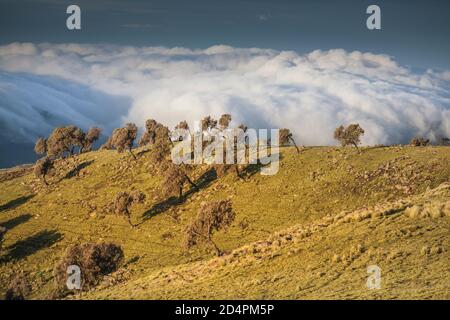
<point x="419" y="142"/>
<point x="350" y="135"/>
<point x="213" y="216"/>
<point x="94" y="261"/>
<point x="18" y="289"/>
<point x="123" y="202"/>
<point x="43" y="167"/>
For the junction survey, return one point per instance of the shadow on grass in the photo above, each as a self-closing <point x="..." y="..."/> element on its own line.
<point x="252" y="169"/>
<point x="75" y="171"/>
<point x="32" y="244"/>
<point x="15" y="203"/>
<point x="11" y="223"/>
<point x="203" y="182"/>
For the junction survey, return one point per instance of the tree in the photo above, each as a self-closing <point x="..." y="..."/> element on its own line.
<point x="154" y="131"/>
<point x="123" y="138"/>
<point x="43" y="167"/>
<point x="78" y="139"/>
<point x="59" y="141"/>
<point x="182" y="125"/>
<point x="92" y="135"/>
<point x="175" y="177"/>
<point x="208" y="123"/>
<point x="445" y="141"/>
<point x="213" y="216"/>
<point x="350" y="135"/>
<point x="286" y="137"/>
<point x="41" y="146"/>
<point x="225" y="120"/>
<point x="123" y="202"/>
<point x="419" y="142"/>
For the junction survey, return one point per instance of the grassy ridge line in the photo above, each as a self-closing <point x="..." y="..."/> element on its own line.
<point x="206" y="279"/>
<point x="317" y="182"/>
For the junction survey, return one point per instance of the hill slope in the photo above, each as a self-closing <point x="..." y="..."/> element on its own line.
<point x="309" y="231"/>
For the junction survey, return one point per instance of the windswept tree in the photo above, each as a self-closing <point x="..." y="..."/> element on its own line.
<point x="123" y="202"/>
<point x="208" y="123"/>
<point x="154" y="132"/>
<point x="175" y="178"/>
<point x="419" y="142"/>
<point x="59" y="141"/>
<point x="64" y="140"/>
<point x="41" y="146"/>
<point x="213" y="216"/>
<point x="286" y="138"/>
<point x="78" y="138"/>
<point x="123" y="138"/>
<point x="182" y="125"/>
<point x="43" y="167"/>
<point x="350" y="135"/>
<point x="91" y="137"/>
<point x="224" y="121"/>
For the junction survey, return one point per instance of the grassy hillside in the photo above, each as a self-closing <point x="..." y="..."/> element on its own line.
<point x="296" y="234"/>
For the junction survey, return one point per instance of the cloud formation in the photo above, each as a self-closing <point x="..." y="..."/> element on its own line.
<point x="310" y="94"/>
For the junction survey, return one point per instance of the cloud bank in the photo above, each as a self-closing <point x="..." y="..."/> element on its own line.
<point x="42" y="85"/>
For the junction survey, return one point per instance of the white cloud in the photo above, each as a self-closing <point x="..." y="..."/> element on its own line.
<point x="311" y="94"/>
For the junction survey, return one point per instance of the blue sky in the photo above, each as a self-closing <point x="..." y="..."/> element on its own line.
<point x="415" y="32"/>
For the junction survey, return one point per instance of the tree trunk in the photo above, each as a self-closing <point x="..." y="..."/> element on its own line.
<point x="128" y="217"/>
<point x="216" y="248"/>
<point x="181" y="192"/>
<point x="132" y="153"/>
<point x="295" y="145"/>
<point x="43" y="179"/>
<point x="236" y="168"/>
<point x="190" y="181"/>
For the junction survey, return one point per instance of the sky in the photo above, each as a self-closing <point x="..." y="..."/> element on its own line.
<point x="415" y="32"/>
<point x="306" y="65"/>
